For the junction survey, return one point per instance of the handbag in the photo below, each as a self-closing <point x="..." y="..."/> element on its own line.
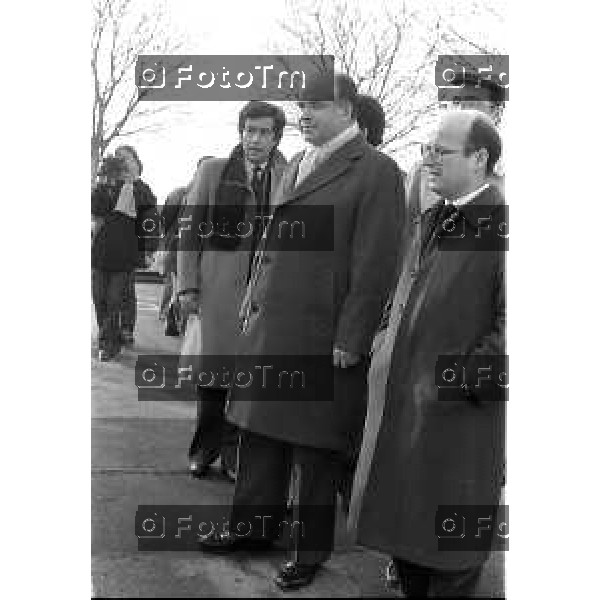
<point x="172" y="321"/>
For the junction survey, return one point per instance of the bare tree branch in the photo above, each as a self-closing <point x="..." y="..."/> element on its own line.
<point x="390" y="57"/>
<point x="120" y="33"/>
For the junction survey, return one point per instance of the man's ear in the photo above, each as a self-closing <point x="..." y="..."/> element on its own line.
<point x="482" y="157"/>
<point x="345" y="107"/>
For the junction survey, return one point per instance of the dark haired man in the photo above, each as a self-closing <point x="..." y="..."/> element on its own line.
<point x="371" y="119"/>
<point x="308" y="303"/>
<point x="212" y="273"/>
<point x="433" y="452"/>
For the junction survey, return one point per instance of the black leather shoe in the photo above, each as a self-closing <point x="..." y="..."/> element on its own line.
<point x="127" y="338"/>
<point x="200" y="464"/>
<point x="217" y="541"/>
<point x="293" y="575"/>
<point x="106" y="355"/>
<point x="171" y="330"/>
<point x="229" y="473"/>
<point x="392" y="575"/>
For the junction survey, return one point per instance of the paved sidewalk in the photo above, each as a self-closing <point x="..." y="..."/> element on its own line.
<point x="139" y="456"/>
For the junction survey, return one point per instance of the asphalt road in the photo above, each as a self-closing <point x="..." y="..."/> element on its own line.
<point x="139" y="457"/>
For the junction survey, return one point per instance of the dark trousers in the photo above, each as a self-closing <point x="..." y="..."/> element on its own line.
<point x="213" y="431"/>
<point x="109" y="289"/>
<point x="425" y="582"/>
<point x="129" y="307"/>
<point x="265" y="467"/>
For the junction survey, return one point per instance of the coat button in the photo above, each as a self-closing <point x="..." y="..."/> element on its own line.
<point x="467" y="390"/>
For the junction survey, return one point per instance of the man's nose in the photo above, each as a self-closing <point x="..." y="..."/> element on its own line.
<point x="429" y="160"/>
<point x="306" y="111"/>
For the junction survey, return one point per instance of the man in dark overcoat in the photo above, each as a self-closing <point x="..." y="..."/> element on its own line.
<point x="435" y="450"/>
<point x="317" y="301"/>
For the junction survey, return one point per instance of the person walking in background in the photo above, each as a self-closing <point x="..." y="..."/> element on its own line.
<point x="129" y="308"/>
<point x="166" y="257"/>
<point x="213" y="272"/>
<point x="119" y="205"/>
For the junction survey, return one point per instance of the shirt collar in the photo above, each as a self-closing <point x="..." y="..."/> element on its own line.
<point x="462" y="200"/>
<point x="337" y="142"/>
<point x="250" y="168"/>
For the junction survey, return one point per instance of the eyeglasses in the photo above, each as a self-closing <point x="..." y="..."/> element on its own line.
<point x="313" y="104"/>
<point x="261" y="132"/>
<point x="436" y="152"/>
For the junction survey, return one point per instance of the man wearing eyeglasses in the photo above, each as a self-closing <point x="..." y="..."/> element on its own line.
<point x="488" y="98"/>
<point x="434" y="450"/>
<point x="226" y="211"/>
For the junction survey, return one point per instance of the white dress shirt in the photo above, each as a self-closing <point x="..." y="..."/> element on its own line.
<point x="250" y="169"/>
<point x="315" y="155"/>
<point x="462" y="200"/>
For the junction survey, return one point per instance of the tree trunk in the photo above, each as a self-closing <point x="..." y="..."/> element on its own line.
<point x="96" y="158"/>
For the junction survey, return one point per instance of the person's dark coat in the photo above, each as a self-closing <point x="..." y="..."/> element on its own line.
<point x="304" y="302"/>
<point x="116" y="245"/>
<point x="430" y="452"/>
<point x="170" y="213"/>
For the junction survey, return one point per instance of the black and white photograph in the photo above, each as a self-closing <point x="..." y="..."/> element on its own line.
<point x="299" y="370"/>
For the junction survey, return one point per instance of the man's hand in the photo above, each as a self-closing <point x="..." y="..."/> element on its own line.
<point x="188" y="304"/>
<point x="344" y="359"/>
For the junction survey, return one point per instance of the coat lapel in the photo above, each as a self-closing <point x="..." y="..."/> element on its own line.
<point x="278" y="173"/>
<point x="332" y="168"/>
<point x="286" y="183"/>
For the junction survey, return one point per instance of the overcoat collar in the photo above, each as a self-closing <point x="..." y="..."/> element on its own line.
<point x="332" y="168"/>
<point x="489" y="199"/>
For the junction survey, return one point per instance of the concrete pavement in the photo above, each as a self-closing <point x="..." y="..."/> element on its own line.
<point x="139" y="456"/>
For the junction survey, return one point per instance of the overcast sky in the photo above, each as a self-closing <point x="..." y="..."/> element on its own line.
<point x="234" y="27"/>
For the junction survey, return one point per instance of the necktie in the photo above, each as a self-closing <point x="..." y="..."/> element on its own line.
<point x="434" y="226"/>
<point x="258" y="185"/>
<point x="307" y="165"/>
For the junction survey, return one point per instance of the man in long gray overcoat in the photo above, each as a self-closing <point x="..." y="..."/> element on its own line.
<point x="234" y="196"/>
<point x="443" y="447"/>
<point x="323" y="301"/>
